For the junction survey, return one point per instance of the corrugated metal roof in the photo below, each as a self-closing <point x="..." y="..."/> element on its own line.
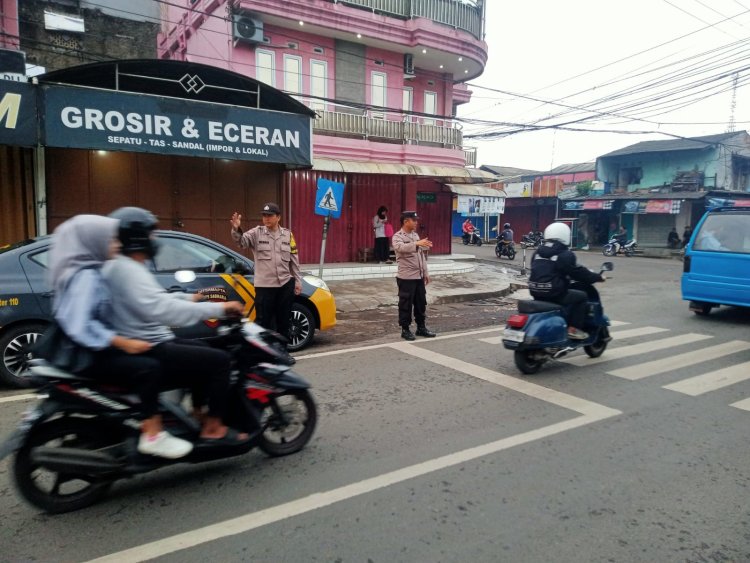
<point x="508" y="170"/>
<point x="573" y="168"/>
<point x="451" y="174"/>
<point x="487" y="190"/>
<point x="691" y="143"/>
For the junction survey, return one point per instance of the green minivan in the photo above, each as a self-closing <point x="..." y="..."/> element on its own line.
<point x="717" y="261"/>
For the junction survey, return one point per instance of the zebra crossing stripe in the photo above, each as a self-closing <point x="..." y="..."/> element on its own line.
<point x="637" y="349"/>
<point x="492" y="340"/>
<point x="744" y="405"/>
<point x="712" y="381"/>
<point x="633" y="332"/>
<point x="647" y="369"/>
<point x="618" y="323"/>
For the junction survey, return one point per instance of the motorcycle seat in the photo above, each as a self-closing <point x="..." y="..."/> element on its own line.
<point x="42" y="368"/>
<point x="534" y="306"/>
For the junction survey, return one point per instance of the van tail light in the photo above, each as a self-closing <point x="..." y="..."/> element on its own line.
<point x="517" y="321"/>
<point x="686" y="264"/>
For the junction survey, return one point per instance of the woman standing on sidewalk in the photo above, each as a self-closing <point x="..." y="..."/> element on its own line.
<point x="379" y="225"/>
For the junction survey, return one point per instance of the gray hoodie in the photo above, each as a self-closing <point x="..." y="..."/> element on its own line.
<point x="143" y="309"/>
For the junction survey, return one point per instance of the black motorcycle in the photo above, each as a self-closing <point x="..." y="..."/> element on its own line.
<point x="83" y="435"/>
<point x="505" y="248"/>
<point x="533" y="239"/>
<point x="474" y="238"/>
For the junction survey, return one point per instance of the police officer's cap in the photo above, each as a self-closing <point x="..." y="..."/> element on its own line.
<point x="270" y="209"/>
<point x="409" y="215"/>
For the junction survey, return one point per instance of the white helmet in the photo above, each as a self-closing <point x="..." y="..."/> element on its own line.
<point x="559" y="232"/>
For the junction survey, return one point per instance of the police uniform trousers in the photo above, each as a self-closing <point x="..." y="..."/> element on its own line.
<point x="411" y="295"/>
<point x="273" y="306"/>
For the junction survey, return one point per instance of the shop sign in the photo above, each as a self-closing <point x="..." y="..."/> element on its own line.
<point x="591" y="205"/>
<point x="426" y="197"/>
<point x="518" y="189"/>
<point x="663" y="206"/>
<point x="18" y="121"/>
<point x="469" y="205"/>
<point x="98" y="119"/>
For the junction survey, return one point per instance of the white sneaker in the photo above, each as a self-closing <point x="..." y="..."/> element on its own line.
<point x="164" y="445"/>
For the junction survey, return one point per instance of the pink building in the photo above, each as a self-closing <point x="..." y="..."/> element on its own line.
<point x="384" y="77"/>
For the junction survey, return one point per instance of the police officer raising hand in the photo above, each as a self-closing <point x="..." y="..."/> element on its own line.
<point x="277" y="275"/>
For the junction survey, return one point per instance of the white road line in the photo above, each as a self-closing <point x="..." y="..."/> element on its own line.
<point x="590" y="412"/>
<point x="647" y="369"/>
<point x="492" y="340"/>
<point x="640" y="331"/>
<point x="712" y="381"/>
<point x="638" y="349"/>
<point x="24" y="397"/>
<point x="618" y="323"/>
<point x="744" y="405"/>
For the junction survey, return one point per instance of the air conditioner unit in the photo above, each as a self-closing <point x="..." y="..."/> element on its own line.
<point x="247" y="28"/>
<point x="409" y="66"/>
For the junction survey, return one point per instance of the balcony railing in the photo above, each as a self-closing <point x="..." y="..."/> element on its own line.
<point x="364" y="126"/>
<point x="467" y="15"/>
<point x="470" y="156"/>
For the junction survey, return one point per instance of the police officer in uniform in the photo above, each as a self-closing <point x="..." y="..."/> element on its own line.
<point x="411" y="276"/>
<point x="277" y="273"/>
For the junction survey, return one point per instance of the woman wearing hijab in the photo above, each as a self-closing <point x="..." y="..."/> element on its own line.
<point x="83" y="303"/>
<point x="379" y="225"/>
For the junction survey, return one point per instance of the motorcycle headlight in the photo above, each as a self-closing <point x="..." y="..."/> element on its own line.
<point x="316" y="282"/>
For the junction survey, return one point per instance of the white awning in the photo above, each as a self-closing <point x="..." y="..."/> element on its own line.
<point x="485" y="189"/>
<point x="452" y="174"/>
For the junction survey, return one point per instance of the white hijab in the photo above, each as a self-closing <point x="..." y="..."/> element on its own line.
<point x="80" y="242"/>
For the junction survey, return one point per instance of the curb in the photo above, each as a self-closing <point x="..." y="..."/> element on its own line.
<point x="464" y="297"/>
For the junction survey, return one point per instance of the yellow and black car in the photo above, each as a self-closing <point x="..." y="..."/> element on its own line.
<point x="26" y="296"/>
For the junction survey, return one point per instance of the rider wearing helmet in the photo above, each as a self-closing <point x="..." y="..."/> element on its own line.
<point x="507" y="235"/>
<point x="143" y="309"/>
<point x="553" y="266"/>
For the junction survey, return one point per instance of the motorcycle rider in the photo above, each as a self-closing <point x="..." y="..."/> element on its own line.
<point x="621" y="237"/>
<point x="143" y="309"/>
<point x="553" y="266"/>
<point x="468" y="228"/>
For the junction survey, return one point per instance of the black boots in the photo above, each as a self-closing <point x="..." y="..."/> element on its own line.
<point x="407" y="334"/>
<point x="426" y="332"/>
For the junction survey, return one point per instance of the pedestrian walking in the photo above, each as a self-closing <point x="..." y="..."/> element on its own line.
<point x="686" y="234"/>
<point x="277" y="274"/>
<point x="412" y="276"/>
<point x="382" y="242"/>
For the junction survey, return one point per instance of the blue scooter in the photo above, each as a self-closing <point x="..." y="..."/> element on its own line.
<point x="539" y="331"/>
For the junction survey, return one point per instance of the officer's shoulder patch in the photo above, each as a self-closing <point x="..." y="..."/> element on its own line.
<point x="292" y="243"/>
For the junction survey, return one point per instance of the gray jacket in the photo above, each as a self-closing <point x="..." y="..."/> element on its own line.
<point x="275" y="253"/>
<point x="410" y="258"/>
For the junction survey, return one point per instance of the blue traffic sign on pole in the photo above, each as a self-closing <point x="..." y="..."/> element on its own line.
<point x="329" y="199"/>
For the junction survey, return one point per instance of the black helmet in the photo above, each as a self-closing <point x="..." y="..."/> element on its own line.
<point x="136" y="226"/>
<point x="506" y="226"/>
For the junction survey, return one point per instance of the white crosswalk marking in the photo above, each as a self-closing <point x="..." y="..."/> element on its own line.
<point x="712" y="381"/>
<point x="641" y="331"/>
<point x="744" y="405"/>
<point x="618" y="323"/>
<point x="655" y="367"/>
<point x="637" y="349"/>
<point x="492" y="340"/>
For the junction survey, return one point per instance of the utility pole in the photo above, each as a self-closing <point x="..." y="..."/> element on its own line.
<point x="733" y="105"/>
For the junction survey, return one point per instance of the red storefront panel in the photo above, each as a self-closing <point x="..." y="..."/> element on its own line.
<point x="368" y="193"/>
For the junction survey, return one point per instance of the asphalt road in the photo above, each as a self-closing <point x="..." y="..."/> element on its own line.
<point x="441" y="451"/>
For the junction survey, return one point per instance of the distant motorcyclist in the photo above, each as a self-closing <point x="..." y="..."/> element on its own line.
<point x="621" y="237"/>
<point x="507" y="234"/>
<point x="468" y="228"/>
<point x="553" y="266"/>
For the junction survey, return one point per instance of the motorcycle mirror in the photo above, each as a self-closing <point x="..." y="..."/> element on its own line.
<point x="608" y="267"/>
<point x="184" y="276"/>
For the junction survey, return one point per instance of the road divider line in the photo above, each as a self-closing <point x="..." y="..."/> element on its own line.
<point x="744" y="405"/>
<point x="24" y="397"/>
<point x="647" y="369"/>
<point x="712" y="381"/>
<point x="633" y="332"/>
<point x="626" y="351"/>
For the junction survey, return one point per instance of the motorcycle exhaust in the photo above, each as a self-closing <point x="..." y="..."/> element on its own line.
<point x="561" y="353"/>
<point x="75" y="460"/>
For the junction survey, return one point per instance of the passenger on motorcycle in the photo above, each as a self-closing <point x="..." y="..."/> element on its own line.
<point x="468" y="228"/>
<point x="553" y="266"/>
<point x="144" y="310"/>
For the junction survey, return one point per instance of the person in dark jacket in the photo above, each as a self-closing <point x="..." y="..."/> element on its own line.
<point x="553" y="266"/>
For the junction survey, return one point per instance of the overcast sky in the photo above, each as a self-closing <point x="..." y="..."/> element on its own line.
<point x="548" y="50"/>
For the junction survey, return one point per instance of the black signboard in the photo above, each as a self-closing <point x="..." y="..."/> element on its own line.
<point x="18" y="122"/>
<point x="98" y="119"/>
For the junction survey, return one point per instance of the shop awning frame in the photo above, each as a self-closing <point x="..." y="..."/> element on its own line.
<point x="447" y="174"/>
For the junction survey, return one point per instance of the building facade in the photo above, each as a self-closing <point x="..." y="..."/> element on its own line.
<point x="384" y="79"/>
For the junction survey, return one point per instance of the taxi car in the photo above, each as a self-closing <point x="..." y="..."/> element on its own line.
<point x="26" y="295"/>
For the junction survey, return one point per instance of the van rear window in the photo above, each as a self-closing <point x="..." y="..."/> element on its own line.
<point x="724" y="232"/>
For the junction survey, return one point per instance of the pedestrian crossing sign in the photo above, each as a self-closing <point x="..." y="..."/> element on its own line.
<point x="329" y="198"/>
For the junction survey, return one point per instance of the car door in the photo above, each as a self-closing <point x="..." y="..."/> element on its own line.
<point x="222" y="275"/>
<point x="35" y="266"/>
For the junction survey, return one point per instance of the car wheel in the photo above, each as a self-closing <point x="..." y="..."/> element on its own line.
<point x="15" y="352"/>
<point x="301" y="328"/>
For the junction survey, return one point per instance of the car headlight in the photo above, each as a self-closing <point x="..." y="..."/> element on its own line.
<point x="316" y="282"/>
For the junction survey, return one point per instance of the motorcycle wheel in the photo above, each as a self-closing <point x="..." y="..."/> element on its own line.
<point x="57" y="492"/>
<point x="629" y="252"/>
<point x="511" y="253"/>
<point x="497" y="251"/>
<point x="596" y="349"/>
<point x="281" y="438"/>
<point x="608" y="250"/>
<point x="479" y="242"/>
<point x="526" y="362"/>
<point x="466" y="242"/>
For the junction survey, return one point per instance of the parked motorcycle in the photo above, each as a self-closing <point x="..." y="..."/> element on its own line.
<point x="507" y="249"/>
<point x="539" y="331"/>
<point x="474" y="238"/>
<point x="83" y="435"/>
<point x="532" y="239"/>
<point x="614" y="246"/>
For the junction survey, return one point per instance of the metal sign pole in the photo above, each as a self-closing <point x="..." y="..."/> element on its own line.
<point x="326" y="223"/>
<point x="523" y="262"/>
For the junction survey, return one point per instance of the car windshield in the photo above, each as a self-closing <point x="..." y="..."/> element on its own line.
<point x="724" y="232"/>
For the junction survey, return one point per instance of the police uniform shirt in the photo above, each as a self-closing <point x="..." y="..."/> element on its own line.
<point x="410" y="259"/>
<point x="275" y="253"/>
